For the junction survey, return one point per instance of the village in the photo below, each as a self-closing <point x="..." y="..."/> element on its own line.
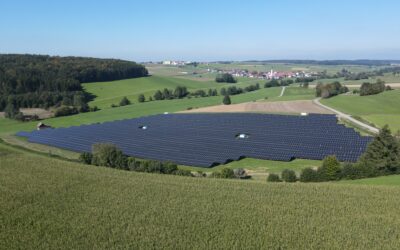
<point x="266" y="75"/>
<point x="269" y="75"/>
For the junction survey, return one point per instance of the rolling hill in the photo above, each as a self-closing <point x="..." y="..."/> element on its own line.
<point x="48" y="203"/>
<point x="378" y="109"/>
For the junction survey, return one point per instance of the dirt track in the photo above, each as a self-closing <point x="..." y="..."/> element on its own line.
<point x="269" y="107"/>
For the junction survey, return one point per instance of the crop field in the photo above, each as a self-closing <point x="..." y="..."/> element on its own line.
<point x="378" y="109"/>
<point x="48" y="203"/>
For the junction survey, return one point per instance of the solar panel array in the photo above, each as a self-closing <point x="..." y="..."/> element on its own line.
<point x="207" y="140"/>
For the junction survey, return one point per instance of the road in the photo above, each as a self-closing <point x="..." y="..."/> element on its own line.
<point x="347" y="117"/>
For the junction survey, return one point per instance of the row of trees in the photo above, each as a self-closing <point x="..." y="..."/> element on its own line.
<point x="233" y="90"/>
<point x="382" y="157"/>
<point x="182" y="92"/>
<point x="168" y="94"/>
<point x="373" y="88"/>
<point x="108" y="155"/>
<point x="331" y="89"/>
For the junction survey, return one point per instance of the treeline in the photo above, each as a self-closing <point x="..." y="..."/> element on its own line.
<point x="182" y="92"/>
<point x="228" y="78"/>
<point x="233" y="90"/>
<point x="108" y="155"/>
<point x="381" y="158"/>
<point x="330" y="89"/>
<point x="39" y="81"/>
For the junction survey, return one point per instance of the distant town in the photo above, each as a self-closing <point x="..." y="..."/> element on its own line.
<point x="246" y="73"/>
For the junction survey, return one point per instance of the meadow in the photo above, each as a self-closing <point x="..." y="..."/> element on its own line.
<point x="48" y="203"/>
<point x="378" y="109"/>
<point x="391" y="180"/>
<point x="108" y="93"/>
<point x="8" y="126"/>
<point x="387" y="78"/>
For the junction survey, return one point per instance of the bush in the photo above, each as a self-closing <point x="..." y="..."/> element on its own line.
<point x="225" y="78"/>
<point x="65" y="110"/>
<point x="86" y="158"/>
<point x="169" y="168"/>
<point x="141" y="98"/>
<point x="273" y="178"/>
<point x="182" y="172"/>
<point x="272" y="83"/>
<point x="309" y="175"/>
<point x="329" y="90"/>
<point x="227" y="173"/>
<point x="108" y="155"/>
<point x="124" y="101"/>
<point x="289" y="175"/>
<point x="351" y="172"/>
<point x="240" y="173"/>
<point x="93" y="109"/>
<point x="226" y="100"/>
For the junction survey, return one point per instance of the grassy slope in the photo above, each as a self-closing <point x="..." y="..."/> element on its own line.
<point x="112" y="92"/>
<point x="135" y="110"/>
<point x="379" y="109"/>
<point x="47" y="203"/>
<point x="392" y="180"/>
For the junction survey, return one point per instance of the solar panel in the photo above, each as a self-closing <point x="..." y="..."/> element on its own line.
<point x="206" y="140"/>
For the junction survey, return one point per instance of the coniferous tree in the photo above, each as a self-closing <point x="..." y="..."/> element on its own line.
<point x="330" y="169"/>
<point x="125" y="101"/>
<point x="158" y="95"/>
<point x="383" y="153"/>
<point x="226" y="100"/>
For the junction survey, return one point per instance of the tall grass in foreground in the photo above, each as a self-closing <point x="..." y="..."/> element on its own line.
<point x="48" y="203"/>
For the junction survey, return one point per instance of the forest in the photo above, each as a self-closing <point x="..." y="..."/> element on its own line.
<point x="43" y="81"/>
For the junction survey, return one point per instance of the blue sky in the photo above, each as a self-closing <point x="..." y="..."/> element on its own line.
<point x="203" y="30"/>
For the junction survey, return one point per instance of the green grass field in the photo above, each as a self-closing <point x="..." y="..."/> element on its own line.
<point x="135" y="110"/>
<point x="47" y="204"/>
<point x="108" y="93"/>
<point x="378" y="109"/>
<point x="391" y="180"/>
<point x="387" y="78"/>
